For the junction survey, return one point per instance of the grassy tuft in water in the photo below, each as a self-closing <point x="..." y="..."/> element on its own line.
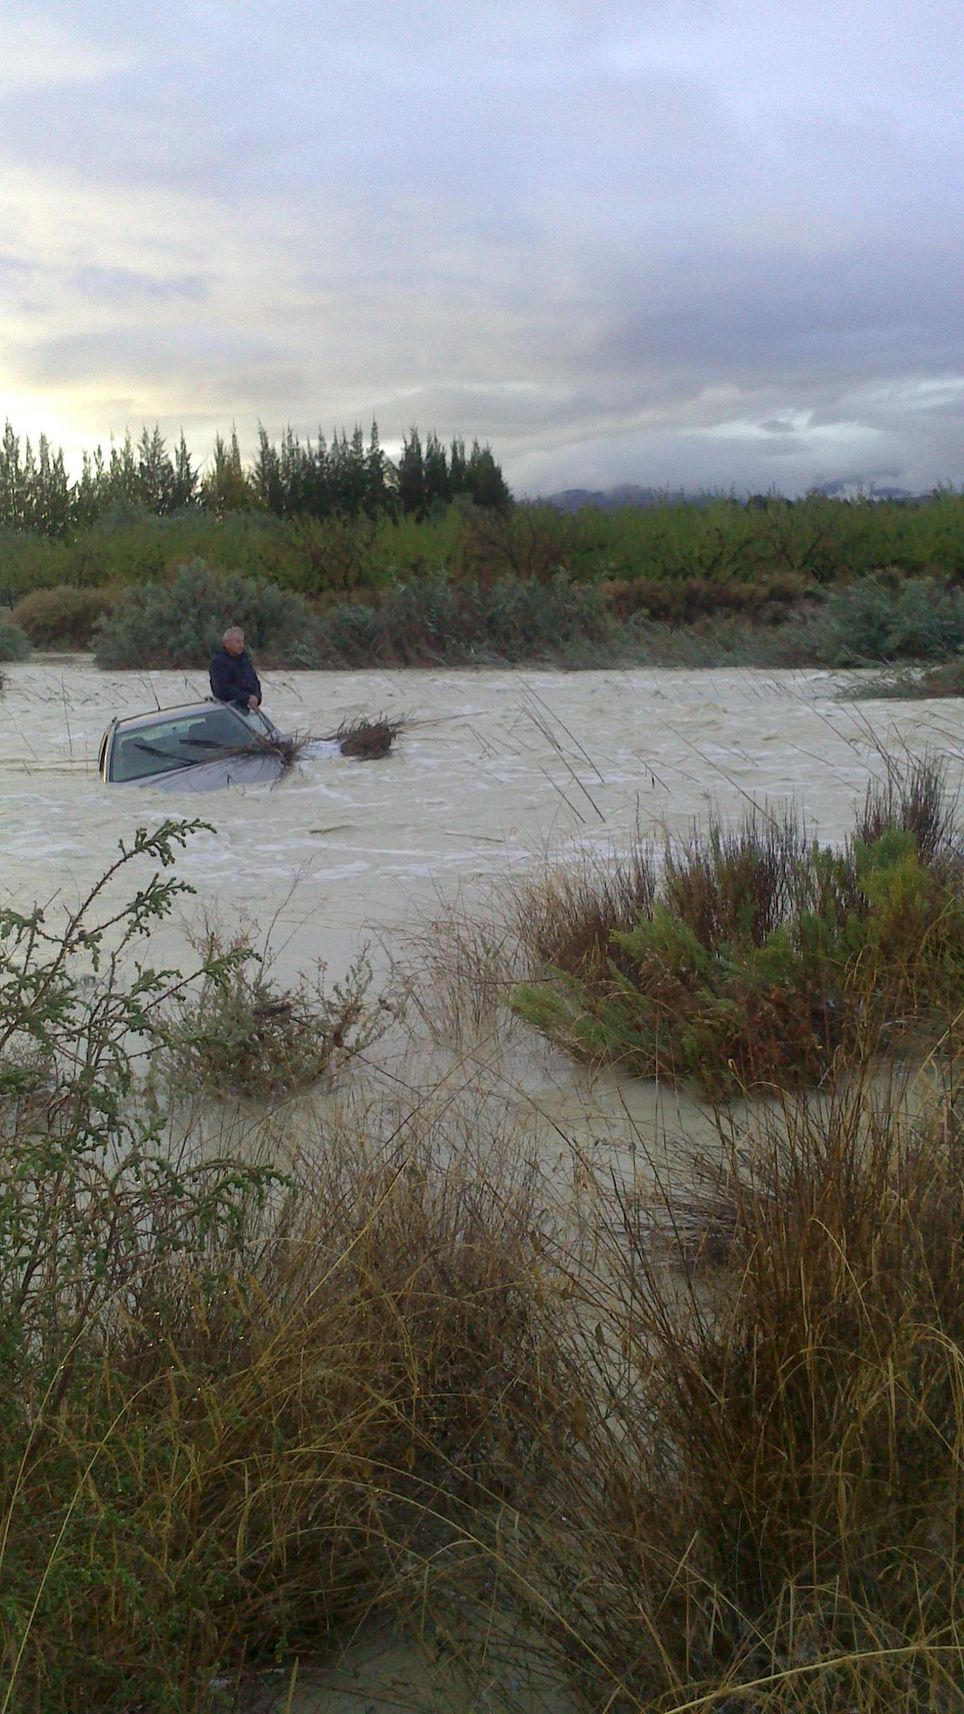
<point x="914" y="684"/>
<point x="753" y="956"/>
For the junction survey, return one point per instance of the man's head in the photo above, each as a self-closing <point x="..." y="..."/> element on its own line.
<point x="233" y="640"/>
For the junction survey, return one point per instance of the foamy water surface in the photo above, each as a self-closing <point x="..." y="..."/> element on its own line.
<point x="495" y="770"/>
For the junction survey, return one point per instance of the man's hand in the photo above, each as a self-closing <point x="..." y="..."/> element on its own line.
<point x="253" y="704"/>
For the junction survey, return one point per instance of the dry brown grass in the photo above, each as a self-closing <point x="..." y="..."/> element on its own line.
<point x="265" y="1436"/>
<point x="755" y="1466"/>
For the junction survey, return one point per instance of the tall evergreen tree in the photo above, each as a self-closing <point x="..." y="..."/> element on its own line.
<point x="379" y="488"/>
<point x="484" y="480"/>
<point x="458" y="479"/>
<point x="52" y="505"/>
<point x="266" y="478"/>
<point x="184" y="491"/>
<point x="14" y="501"/>
<point x="322" y="487"/>
<point x="226" y="487"/>
<point x="296" y="477"/>
<point x="355" y="483"/>
<point x="155" y="473"/>
<point x="437" y="487"/>
<point x="411" y="476"/>
<point x="89" y="497"/>
<point x="123" y="474"/>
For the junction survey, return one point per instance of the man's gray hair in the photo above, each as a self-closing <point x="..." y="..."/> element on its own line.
<point x="233" y="631"/>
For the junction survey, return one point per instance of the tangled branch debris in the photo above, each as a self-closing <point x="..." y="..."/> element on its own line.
<point x="367" y="740"/>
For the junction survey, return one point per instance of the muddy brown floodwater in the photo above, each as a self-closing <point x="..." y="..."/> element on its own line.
<point x="495" y="772"/>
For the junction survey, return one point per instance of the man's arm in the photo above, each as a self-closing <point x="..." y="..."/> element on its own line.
<point x="252" y="685"/>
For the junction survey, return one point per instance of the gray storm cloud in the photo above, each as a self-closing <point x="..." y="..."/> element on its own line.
<point x="695" y="243"/>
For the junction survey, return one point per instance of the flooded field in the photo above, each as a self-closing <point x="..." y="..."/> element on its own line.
<point x="495" y="774"/>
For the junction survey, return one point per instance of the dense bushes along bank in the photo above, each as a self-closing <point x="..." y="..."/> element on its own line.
<point x="772" y="583"/>
<point x="432" y="618"/>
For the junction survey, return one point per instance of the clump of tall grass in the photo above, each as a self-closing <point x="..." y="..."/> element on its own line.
<point x="754" y="956"/>
<point x="249" y="1418"/>
<point x="755" y="1496"/>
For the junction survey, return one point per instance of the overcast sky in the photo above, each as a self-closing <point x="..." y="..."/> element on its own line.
<point x="684" y="242"/>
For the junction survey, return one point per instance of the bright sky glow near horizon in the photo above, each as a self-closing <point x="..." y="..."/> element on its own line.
<point x="700" y="243"/>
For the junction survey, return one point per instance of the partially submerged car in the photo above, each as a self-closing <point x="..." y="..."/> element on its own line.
<point x="199" y="745"/>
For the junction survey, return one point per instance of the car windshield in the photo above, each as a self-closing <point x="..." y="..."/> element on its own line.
<point x="160" y="745"/>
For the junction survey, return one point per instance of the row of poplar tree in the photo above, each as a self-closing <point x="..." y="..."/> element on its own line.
<point x="347" y="476"/>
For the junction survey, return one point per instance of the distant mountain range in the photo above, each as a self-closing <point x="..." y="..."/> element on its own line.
<point x="631" y="494"/>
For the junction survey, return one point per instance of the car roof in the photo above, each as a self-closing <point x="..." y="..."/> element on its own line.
<point x="157" y="716"/>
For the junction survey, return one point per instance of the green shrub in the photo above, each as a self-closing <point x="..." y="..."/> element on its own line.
<point x="63" y="618"/>
<point x="180" y="624"/>
<point x="883" y="619"/>
<point x="31" y="562"/>
<point x="242" y="1036"/>
<point x="433" y="619"/>
<point x="348" y="635"/>
<point x="14" y="644"/>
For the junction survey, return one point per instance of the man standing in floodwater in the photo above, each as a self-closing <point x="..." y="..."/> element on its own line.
<point x="233" y="678"/>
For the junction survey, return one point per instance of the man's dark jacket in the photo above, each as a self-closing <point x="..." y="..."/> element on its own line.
<point x="233" y="678"/>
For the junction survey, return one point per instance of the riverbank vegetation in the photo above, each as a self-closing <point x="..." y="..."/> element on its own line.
<point x="701" y="1441"/>
<point x="431" y="559"/>
<point x="241" y="1035"/>
<point x="434" y="620"/>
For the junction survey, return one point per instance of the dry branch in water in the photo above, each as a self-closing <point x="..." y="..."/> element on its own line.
<point x="367" y="740"/>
